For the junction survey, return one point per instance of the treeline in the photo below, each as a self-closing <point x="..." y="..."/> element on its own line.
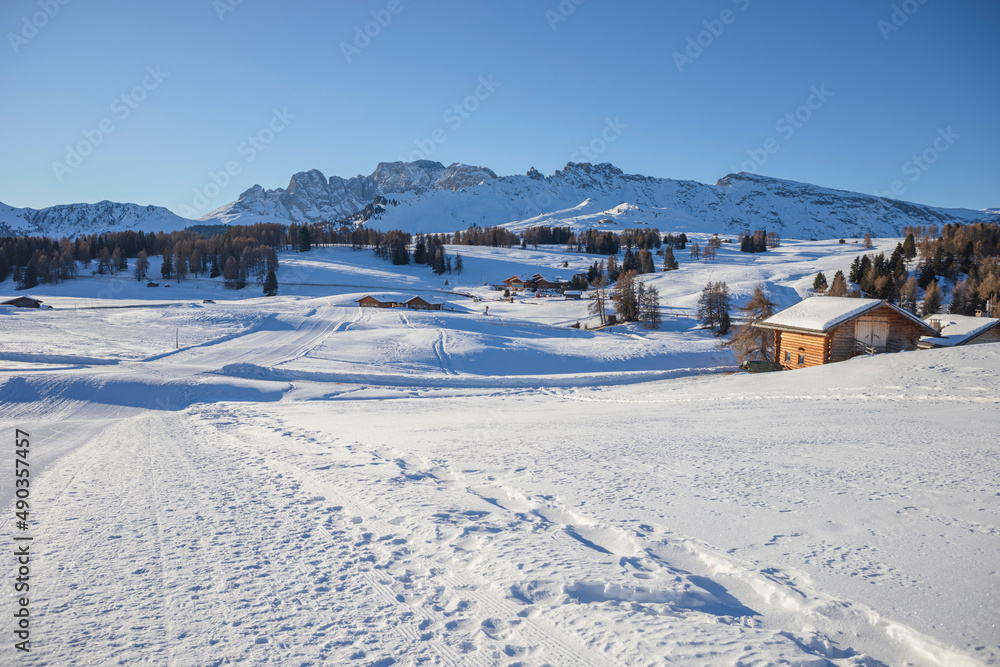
<point x="760" y="240"/>
<point x="967" y="256"/>
<point x="597" y="242"/>
<point x="248" y="249"/>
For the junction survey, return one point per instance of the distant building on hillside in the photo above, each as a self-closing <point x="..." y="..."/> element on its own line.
<point x="23" y="302"/>
<point x="514" y="284"/>
<point x="954" y="330"/>
<point x="825" y="329"/>
<point x="369" y="301"/>
<point x="420" y="303"/>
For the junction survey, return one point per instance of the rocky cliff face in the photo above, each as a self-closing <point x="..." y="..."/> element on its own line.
<point x="584" y="195"/>
<point x="311" y="197"/>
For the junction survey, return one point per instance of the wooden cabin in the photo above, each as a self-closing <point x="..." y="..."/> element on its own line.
<point x="954" y="330"/>
<point x="420" y="303"/>
<point x="514" y="284"/>
<point x="23" y="302"/>
<point x="825" y="329"/>
<point x="369" y="301"/>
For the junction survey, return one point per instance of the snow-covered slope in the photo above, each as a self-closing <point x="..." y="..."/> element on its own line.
<point x="427" y="196"/>
<point x="75" y="219"/>
<point x="431" y="198"/>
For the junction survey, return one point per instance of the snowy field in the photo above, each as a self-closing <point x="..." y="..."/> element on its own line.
<point x="298" y="481"/>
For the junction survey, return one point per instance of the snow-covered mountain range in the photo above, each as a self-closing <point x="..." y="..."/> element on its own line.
<point x="76" y="219"/>
<point x="430" y="197"/>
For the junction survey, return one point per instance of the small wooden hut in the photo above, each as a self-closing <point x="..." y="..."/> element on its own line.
<point x="824" y="329"/>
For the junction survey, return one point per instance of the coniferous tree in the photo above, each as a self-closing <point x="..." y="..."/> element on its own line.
<point x="867" y="242"/>
<point x="305" y="239"/>
<point x="29" y="277"/>
<point x="626" y="297"/>
<point x="459" y="264"/>
<point x="669" y="262"/>
<point x="819" y="283"/>
<point x="438" y="264"/>
<point x="695" y="251"/>
<point x="420" y="250"/>
<point x="909" y="247"/>
<point x="839" y="285"/>
<point x="216" y="270"/>
<point x="271" y="284"/>
<point x="644" y="260"/>
<point x="167" y="267"/>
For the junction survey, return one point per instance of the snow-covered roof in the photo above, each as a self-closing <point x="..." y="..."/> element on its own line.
<point x="956" y="329"/>
<point x="820" y="313"/>
<point x="425" y="299"/>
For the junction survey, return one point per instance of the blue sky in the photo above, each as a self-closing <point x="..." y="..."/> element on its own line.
<point x="163" y="97"/>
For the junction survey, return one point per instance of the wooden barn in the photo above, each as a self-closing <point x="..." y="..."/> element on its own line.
<point x="420" y="303"/>
<point x="954" y="330"/>
<point x="824" y="329"/>
<point x="23" y="302"/>
<point x="369" y="301"/>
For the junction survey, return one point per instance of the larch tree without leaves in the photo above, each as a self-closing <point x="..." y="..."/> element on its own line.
<point x="839" y="286"/>
<point x="751" y="342"/>
<point x="599" y="300"/>
<point x="932" y="300"/>
<point x="713" y="306"/>
<point x="141" y="265"/>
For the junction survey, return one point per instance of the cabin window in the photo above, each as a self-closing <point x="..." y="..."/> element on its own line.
<point x="788" y="356"/>
<point x="802" y="359"/>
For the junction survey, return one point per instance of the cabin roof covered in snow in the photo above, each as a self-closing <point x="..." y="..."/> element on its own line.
<point x="957" y="329"/>
<point x="820" y="313"/>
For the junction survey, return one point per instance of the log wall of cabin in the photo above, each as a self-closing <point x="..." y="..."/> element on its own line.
<point x="904" y="333"/>
<point x="842" y="342"/>
<point x="989" y="336"/>
<point x="813" y="346"/>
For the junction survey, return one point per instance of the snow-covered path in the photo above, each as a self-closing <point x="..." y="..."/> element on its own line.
<point x="562" y="526"/>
